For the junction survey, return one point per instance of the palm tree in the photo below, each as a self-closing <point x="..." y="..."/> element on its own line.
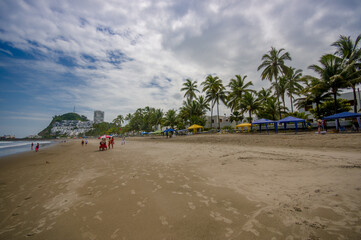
<point x="190" y="89"/>
<point x="264" y="94"/>
<point x="215" y="92"/>
<point x="293" y="85"/>
<point x="118" y="120"/>
<point x="351" y="56"/>
<point x="280" y="87"/>
<point x="156" y="117"/>
<point x="331" y="66"/>
<point x="238" y="86"/>
<point x="203" y="105"/>
<point x="273" y="64"/>
<point x="314" y="92"/>
<point x="250" y="103"/>
<point x="170" y="118"/>
<point x="268" y="108"/>
<point x="236" y="116"/>
<point x="128" y="117"/>
<point x="208" y="88"/>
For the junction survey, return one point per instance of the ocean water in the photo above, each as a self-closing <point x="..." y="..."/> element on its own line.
<point x="13" y="147"/>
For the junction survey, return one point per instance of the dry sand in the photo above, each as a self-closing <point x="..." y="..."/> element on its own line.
<point x="282" y="186"/>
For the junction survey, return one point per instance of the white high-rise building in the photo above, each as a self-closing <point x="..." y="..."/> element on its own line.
<point x="98" y="116"/>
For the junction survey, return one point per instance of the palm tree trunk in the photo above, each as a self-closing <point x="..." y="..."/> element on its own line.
<point x="335" y="101"/>
<point x="219" y="124"/>
<point x="250" y="113"/>
<point x="278" y="98"/>
<point x="291" y="104"/>
<point x="211" y="114"/>
<point x="354" y="99"/>
<point x="317" y="110"/>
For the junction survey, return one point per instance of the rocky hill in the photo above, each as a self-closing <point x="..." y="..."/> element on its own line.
<point x="57" y="118"/>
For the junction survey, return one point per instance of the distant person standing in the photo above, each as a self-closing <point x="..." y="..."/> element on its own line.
<point x="37" y="147"/>
<point x="123" y="140"/>
<point x="82" y="143"/>
<point x="355" y="125"/>
<point x="32" y="146"/>
<point x="86" y="142"/>
<point x="319" y="124"/>
<point x="112" y="142"/>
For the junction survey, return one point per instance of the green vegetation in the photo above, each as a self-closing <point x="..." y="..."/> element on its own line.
<point x="101" y="129"/>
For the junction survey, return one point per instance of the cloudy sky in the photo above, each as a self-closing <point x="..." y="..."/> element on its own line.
<point x="118" y="56"/>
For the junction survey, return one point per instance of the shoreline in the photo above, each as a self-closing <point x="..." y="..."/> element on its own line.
<point x="191" y="187"/>
<point x="14" y="150"/>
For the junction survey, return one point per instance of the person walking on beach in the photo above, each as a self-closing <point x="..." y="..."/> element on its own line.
<point x="123" y="140"/>
<point x="319" y="124"/>
<point x="82" y="143"/>
<point x="32" y="146"/>
<point x="324" y="124"/>
<point x="37" y="147"/>
<point x="86" y="142"/>
<point x="111" y="142"/>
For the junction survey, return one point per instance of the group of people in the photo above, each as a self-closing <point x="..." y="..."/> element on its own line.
<point x="103" y="143"/>
<point x="84" y="142"/>
<point x="36" y="147"/>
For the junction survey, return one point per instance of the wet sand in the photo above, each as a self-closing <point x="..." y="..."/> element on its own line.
<point x="234" y="186"/>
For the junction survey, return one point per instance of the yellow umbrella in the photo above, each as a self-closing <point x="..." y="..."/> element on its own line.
<point x="195" y="127"/>
<point x="243" y="125"/>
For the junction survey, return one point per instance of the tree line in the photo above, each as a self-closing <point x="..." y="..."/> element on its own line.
<point x="333" y="72"/>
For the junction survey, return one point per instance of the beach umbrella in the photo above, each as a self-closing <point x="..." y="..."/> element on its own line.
<point x="104" y="136"/>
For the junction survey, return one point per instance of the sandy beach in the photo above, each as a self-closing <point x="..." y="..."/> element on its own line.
<point x="229" y="186"/>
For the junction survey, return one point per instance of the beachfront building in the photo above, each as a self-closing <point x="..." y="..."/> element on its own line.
<point x="71" y="127"/>
<point x="98" y="116"/>
<point x="347" y="95"/>
<point x="223" y="120"/>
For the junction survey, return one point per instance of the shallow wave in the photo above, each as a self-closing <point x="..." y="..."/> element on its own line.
<point x="19" y="144"/>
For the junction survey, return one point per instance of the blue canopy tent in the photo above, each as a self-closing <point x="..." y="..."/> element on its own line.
<point x="169" y="130"/>
<point x="344" y="115"/>
<point x="294" y="120"/>
<point x="266" y="122"/>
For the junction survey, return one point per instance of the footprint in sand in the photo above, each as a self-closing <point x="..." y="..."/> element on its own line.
<point x="115" y="234"/>
<point x="132" y="192"/>
<point x="186" y="186"/>
<point x="191" y="205"/>
<point x="179" y="193"/>
<point x="206" y="202"/>
<point x="140" y="204"/>
<point x="157" y="188"/>
<point x="218" y="217"/>
<point x="163" y="220"/>
<point x="229" y="232"/>
<point x="232" y="210"/>
<point x="97" y="216"/>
